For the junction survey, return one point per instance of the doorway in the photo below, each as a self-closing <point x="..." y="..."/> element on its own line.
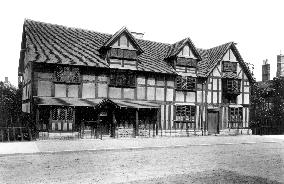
<point x="213" y="122"/>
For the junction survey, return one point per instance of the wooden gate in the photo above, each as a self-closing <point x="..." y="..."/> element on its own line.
<point x="213" y="122"/>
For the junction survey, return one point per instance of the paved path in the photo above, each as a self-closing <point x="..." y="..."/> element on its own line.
<point x="53" y="146"/>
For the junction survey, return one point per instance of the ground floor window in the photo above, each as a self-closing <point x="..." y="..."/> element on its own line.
<point x="62" y="119"/>
<point x="185" y="113"/>
<point x="235" y="117"/>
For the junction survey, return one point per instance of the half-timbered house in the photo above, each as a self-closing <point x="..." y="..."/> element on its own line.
<point x="120" y="86"/>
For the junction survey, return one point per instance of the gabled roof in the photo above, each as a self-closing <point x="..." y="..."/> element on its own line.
<point x="119" y="33"/>
<point x="50" y="43"/>
<point x="175" y="48"/>
<point x="211" y="58"/>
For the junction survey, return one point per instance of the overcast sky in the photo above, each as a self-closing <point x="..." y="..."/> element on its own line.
<point x="255" y="25"/>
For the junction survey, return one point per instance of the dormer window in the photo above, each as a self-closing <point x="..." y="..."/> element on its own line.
<point x="122" y="53"/>
<point x="185" y="52"/>
<point x="229" y="66"/>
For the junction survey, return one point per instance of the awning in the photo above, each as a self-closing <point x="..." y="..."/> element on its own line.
<point x="137" y="104"/>
<point x="81" y="102"/>
<point x="67" y="101"/>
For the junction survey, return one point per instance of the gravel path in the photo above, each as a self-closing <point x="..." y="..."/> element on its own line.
<point x="238" y="163"/>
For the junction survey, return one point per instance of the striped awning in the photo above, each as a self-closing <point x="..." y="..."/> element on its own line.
<point x="81" y="102"/>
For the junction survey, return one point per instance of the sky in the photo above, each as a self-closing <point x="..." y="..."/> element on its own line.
<point x="257" y="26"/>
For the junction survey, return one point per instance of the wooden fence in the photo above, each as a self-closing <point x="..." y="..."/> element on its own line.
<point x="15" y="134"/>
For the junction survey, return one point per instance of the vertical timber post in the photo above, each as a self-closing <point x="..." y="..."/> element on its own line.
<point x="137" y="122"/>
<point x="158" y="121"/>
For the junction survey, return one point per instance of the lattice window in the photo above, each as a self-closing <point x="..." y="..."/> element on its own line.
<point x="123" y="53"/>
<point x="66" y="74"/>
<point x="186" y="83"/>
<point x="70" y="113"/>
<point x="54" y="114"/>
<point x="61" y="114"/>
<point x="235" y="117"/>
<point x="233" y="86"/>
<point x="126" y="79"/>
<point x="188" y="62"/>
<point x="229" y="66"/>
<point x="185" y="113"/>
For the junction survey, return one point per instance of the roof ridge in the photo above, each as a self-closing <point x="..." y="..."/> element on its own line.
<point x="220" y="45"/>
<point x="66" y="27"/>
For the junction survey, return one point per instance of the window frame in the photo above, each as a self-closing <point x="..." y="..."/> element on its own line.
<point x="229" y="66"/>
<point x="67" y="74"/>
<point x="186" y="113"/>
<point x="235" y="117"/>
<point x="187" y="81"/>
<point x="123" y="79"/>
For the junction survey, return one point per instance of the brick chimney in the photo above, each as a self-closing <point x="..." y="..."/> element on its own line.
<point x="280" y="66"/>
<point x="6" y="80"/>
<point x="137" y="35"/>
<point x="265" y="71"/>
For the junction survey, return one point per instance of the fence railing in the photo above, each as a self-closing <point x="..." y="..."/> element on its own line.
<point x="15" y="134"/>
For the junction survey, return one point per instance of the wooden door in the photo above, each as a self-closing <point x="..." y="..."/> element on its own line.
<point x="213" y="123"/>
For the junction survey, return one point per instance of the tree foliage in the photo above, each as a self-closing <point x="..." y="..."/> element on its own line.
<point x="267" y="104"/>
<point x="10" y="105"/>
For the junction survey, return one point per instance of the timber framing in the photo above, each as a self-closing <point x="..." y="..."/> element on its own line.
<point x="145" y="83"/>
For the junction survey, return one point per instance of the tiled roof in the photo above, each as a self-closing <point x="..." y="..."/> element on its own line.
<point x="50" y="43"/>
<point x="175" y="48"/>
<point x="211" y="57"/>
<point x="118" y="33"/>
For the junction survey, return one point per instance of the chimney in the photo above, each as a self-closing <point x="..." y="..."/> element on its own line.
<point x="137" y="35"/>
<point x="265" y="71"/>
<point x="6" y="80"/>
<point x="280" y="66"/>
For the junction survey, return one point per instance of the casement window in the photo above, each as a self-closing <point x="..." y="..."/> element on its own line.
<point x="185" y="113"/>
<point x="235" y="117"/>
<point x="186" y="83"/>
<point x="126" y="79"/>
<point x="62" y="119"/>
<point x="188" y="62"/>
<point x="229" y="66"/>
<point x="66" y="74"/>
<point x="122" y="53"/>
<point x="231" y="86"/>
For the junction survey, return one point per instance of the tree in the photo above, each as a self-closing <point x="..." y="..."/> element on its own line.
<point x="10" y="105"/>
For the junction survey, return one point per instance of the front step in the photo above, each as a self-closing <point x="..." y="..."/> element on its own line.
<point x="58" y="135"/>
<point x="235" y="132"/>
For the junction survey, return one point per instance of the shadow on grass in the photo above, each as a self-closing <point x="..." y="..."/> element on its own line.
<point x="212" y="177"/>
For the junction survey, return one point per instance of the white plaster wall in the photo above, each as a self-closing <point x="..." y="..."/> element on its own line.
<point x="88" y="90"/>
<point x="190" y="97"/>
<point x="170" y="94"/>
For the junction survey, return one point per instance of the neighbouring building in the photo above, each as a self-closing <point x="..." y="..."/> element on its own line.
<point x="280" y="66"/>
<point x="120" y="86"/>
<point x="265" y="71"/>
<point x="267" y="106"/>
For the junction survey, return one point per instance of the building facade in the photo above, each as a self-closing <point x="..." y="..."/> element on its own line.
<point x="121" y="86"/>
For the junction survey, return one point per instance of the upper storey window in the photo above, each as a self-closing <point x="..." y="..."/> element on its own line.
<point x="186" y="58"/>
<point x="123" y="49"/>
<point x="229" y="66"/>
<point x="186" y="83"/>
<point x="66" y="74"/>
<point x="123" y="79"/>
